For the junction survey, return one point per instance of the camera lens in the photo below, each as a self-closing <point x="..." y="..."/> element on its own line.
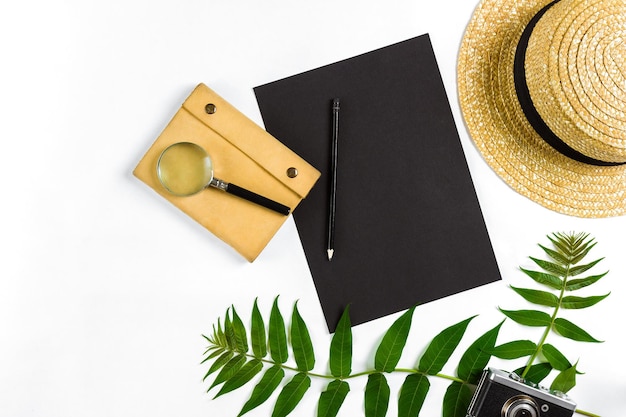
<point x="520" y="406"/>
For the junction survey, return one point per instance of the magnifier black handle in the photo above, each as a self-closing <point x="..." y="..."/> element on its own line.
<point x="257" y="199"/>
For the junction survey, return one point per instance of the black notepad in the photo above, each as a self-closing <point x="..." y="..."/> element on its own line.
<point x="408" y="226"/>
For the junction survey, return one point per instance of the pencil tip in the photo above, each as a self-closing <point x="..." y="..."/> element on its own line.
<point x="330" y="253"/>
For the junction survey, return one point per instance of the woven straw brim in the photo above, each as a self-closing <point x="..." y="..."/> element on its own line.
<point x="501" y="132"/>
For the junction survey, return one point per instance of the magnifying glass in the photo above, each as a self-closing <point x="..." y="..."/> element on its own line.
<point x="185" y="168"/>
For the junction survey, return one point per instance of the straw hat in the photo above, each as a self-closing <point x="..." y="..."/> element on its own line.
<point x="542" y="87"/>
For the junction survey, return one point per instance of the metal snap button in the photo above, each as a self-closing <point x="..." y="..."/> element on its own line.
<point x="210" y="108"/>
<point x="292" y="172"/>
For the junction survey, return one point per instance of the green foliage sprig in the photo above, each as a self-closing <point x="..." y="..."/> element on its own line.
<point x="230" y="350"/>
<point x="237" y="360"/>
<point x="557" y="277"/>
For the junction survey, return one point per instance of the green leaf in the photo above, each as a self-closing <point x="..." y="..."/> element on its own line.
<point x="243" y="376"/>
<point x="390" y="348"/>
<point x="577" y="270"/>
<point x="277" y="335"/>
<point x="412" y="395"/>
<point x="441" y="348"/>
<point x="376" y="395"/>
<point x="341" y="347"/>
<point x="582" y="252"/>
<point x="537" y="297"/>
<point x="212" y="340"/>
<point x="514" y="350"/>
<point x="301" y="342"/>
<point x="217" y="352"/>
<point x="531" y="318"/>
<point x="562" y="247"/>
<point x="291" y="394"/>
<point x="557" y="256"/>
<point x="545" y="279"/>
<point x="239" y="331"/>
<point x="536" y="373"/>
<point x="572" y="242"/>
<point x="331" y="400"/>
<point x="262" y="391"/>
<point x="550" y="267"/>
<point x="571" y="331"/>
<point x="219" y="362"/>
<point x="557" y="360"/>
<point x="456" y="400"/>
<point x="565" y="381"/>
<point x="581" y="302"/>
<point x="258" y="338"/>
<point x="577" y="239"/>
<point x="230" y="369"/>
<point x="577" y="284"/>
<point x="476" y="358"/>
<point x="229" y="332"/>
<point x="218" y="334"/>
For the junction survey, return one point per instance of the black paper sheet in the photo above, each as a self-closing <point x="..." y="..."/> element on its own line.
<point x="408" y="226"/>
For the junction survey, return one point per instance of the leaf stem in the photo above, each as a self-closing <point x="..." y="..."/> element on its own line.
<point x="546" y="332"/>
<point x="358" y="374"/>
<point x="586" y="413"/>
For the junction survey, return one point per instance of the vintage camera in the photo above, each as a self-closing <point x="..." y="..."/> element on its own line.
<point x="503" y="394"/>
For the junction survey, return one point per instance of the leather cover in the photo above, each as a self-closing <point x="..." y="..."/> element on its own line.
<point x="243" y="153"/>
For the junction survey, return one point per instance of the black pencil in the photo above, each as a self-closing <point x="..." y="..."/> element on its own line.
<point x="330" y="247"/>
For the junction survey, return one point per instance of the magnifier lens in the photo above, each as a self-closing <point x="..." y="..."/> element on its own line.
<point x="184" y="168"/>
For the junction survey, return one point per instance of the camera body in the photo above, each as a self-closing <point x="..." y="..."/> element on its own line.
<point x="503" y="394"/>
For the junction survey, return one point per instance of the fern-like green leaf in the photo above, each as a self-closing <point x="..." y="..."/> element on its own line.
<point x="239" y="333"/>
<point x="332" y="399"/>
<point x="377" y="394"/>
<point x="301" y="342"/>
<point x="577" y="284"/>
<point x="341" y="347"/>
<point x="219" y="362"/>
<point x="560" y="258"/>
<point x="577" y="270"/>
<point x="476" y="357"/>
<point x="565" y="380"/>
<point x="550" y="267"/>
<point x="211" y="340"/>
<point x="217" y="351"/>
<point x="277" y="335"/>
<point x="229" y="370"/>
<point x="258" y="337"/>
<point x="243" y="376"/>
<point x="514" y="350"/>
<point x="535" y="373"/>
<point x="456" y="400"/>
<point x="556" y="359"/>
<point x="262" y="391"/>
<point x="582" y="252"/>
<point x="531" y="318"/>
<point x="441" y="348"/>
<point x="543" y="298"/>
<point x="229" y="332"/>
<point x="393" y="342"/>
<point x="572" y="302"/>
<point x="412" y="395"/>
<point x="571" y="331"/>
<point x="218" y="335"/>
<point x="549" y="280"/>
<point x="291" y="394"/>
<point x="562" y="247"/>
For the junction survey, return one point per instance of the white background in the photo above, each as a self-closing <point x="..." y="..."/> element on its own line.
<point x="105" y="288"/>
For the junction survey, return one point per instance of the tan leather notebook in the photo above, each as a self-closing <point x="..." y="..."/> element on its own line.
<point x="242" y="153"/>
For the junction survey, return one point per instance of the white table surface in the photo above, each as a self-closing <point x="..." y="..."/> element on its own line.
<point x="105" y="288"/>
